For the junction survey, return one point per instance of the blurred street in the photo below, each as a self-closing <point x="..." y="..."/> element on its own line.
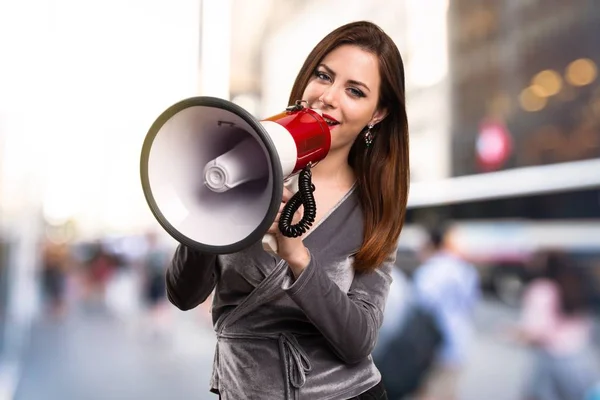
<point x="498" y="368"/>
<point x="94" y="355"/>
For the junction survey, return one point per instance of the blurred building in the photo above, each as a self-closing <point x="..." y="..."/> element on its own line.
<point x="524" y="98"/>
<point x="524" y="92"/>
<point x="525" y="89"/>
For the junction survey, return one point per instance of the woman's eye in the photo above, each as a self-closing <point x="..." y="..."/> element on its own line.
<point x="356" y="93"/>
<point x="322" y="76"/>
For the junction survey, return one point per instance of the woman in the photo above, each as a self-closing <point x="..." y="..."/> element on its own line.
<point x="303" y="323"/>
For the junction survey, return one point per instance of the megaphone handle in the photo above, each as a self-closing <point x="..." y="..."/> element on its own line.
<point x="292" y="183"/>
<point x="269" y="243"/>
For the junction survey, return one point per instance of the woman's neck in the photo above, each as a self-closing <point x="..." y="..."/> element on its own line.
<point x="334" y="170"/>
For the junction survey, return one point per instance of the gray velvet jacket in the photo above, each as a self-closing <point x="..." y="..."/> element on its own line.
<point x="283" y="339"/>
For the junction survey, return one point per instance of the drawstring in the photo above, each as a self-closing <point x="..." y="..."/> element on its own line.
<point x="295" y="362"/>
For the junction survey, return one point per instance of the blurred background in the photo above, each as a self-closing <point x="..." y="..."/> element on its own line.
<point x="504" y="111"/>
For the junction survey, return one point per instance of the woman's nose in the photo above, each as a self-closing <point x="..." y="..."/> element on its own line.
<point x="329" y="97"/>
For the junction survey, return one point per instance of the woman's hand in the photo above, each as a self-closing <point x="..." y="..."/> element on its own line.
<point x="292" y="250"/>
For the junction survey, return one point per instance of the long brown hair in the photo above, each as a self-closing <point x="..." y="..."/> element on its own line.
<point x="382" y="170"/>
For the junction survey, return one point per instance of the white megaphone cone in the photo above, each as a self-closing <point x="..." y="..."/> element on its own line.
<point x="213" y="175"/>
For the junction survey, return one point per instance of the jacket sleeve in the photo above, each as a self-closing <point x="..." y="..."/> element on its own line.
<point x="349" y="321"/>
<point x="191" y="277"/>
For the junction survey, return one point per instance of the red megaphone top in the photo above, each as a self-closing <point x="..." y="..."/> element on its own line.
<point x="309" y="131"/>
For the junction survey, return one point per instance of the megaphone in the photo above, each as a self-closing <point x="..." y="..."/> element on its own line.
<point x="213" y="175"/>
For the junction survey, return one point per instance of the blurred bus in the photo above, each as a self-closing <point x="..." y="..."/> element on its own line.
<point x="502" y="219"/>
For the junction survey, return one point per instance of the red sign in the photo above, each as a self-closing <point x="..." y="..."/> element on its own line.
<point x="493" y="145"/>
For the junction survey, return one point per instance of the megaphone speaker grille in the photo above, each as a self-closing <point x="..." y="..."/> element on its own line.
<point x="179" y="145"/>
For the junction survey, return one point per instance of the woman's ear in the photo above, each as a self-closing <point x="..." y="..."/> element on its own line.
<point x="379" y="115"/>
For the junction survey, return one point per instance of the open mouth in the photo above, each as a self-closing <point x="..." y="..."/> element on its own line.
<point x="330" y="121"/>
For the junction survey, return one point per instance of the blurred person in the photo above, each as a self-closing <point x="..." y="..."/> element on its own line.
<point x="448" y="287"/>
<point x="303" y="323"/>
<point x="556" y="322"/>
<point x="155" y="263"/>
<point x="124" y="287"/>
<point x="396" y="308"/>
<point x="100" y="269"/>
<point x="408" y="340"/>
<point x="54" y="277"/>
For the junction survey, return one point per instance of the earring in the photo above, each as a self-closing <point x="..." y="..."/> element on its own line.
<point x="369" y="135"/>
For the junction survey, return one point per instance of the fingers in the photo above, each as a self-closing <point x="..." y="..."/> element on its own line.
<point x="287" y="195"/>
<point x="274" y="228"/>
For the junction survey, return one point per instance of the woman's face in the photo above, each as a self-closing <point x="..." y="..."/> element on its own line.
<point x="345" y="87"/>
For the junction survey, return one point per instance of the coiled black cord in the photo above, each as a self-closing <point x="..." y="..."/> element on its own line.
<point x="304" y="197"/>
